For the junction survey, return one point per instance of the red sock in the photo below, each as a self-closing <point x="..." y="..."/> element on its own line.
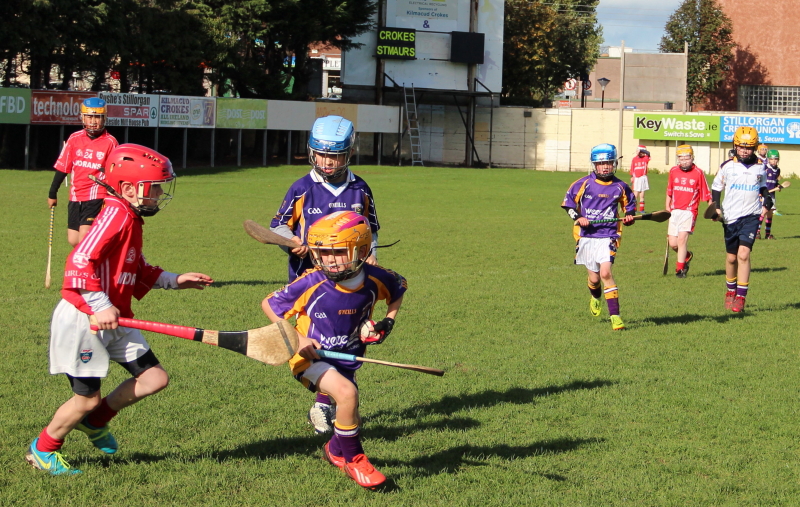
<point x="47" y="443"/>
<point x="101" y="415"/>
<point x="679" y="266"/>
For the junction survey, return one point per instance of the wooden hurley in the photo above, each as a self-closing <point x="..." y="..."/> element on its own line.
<point x="329" y="354"/>
<point x="656" y="216"/>
<point x="785" y="184"/>
<point x="266" y="236"/>
<point x="274" y="344"/>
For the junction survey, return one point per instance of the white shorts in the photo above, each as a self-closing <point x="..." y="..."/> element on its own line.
<point x="76" y="351"/>
<point x="591" y="252"/>
<point x="681" y="220"/>
<point x="641" y="184"/>
<point x="315" y="371"/>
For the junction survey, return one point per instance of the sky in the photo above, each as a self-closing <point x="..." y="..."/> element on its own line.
<point x="639" y="23"/>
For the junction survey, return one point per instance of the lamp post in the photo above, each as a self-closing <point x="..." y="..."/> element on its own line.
<point x="603" y="82"/>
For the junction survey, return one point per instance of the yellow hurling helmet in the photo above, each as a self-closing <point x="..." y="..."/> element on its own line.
<point x="684" y="149"/>
<point x="746" y="136"/>
<point x="343" y="232"/>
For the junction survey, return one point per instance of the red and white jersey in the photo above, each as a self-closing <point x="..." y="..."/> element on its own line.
<point x="83" y="156"/>
<point x="109" y="259"/>
<point x="639" y="166"/>
<point x="687" y="188"/>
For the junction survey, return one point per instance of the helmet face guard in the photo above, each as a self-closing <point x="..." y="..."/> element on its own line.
<point x="149" y="204"/>
<point x="339" y="244"/>
<point x="746" y="138"/>
<point x="330" y="145"/>
<point x="603" y="154"/>
<point x="92" y="110"/>
<point x="685" y="156"/>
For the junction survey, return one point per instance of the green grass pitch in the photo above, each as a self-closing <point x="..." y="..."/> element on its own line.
<point x="541" y="403"/>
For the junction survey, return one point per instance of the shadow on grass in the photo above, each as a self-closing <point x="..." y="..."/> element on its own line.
<point x="688" y="317"/>
<point x="248" y="282"/>
<point x="721" y="272"/>
<point x="517" y="395"/>
<point x="282" y="447"/>
<point x="455" y="459"/>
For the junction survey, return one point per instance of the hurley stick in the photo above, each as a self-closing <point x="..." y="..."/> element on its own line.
<point x="785" y="184"/>
<point x="49" y="247"/>
<point x="329" y="354"/>
<point x="274" y="344"/>
<point x="263" y="235"/>
<point x="656" y="216"/>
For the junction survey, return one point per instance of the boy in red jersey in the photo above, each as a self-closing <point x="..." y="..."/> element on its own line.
<point x="687" y="186"/>
<point x="332" y="302"/>
<point x="102" y="273"/>
<point x="639" y="167"/>
<point x="84" y="154"/>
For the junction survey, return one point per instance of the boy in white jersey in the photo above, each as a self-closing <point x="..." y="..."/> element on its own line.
<point x="743" y="179"/>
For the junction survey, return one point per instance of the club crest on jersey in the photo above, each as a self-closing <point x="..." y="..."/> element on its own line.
<point x="80" y="259"/>
<point x="131" y="256"/>
<point x="100" y="155"/>
<point x="357" y="208"/>
<point x="86" y="355"/>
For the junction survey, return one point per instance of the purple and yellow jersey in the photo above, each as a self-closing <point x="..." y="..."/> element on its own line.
<point x="773" y="173"/>
<point x="311" y="198"/>
<point x="599" y="200"/>
<point x="330" y="313"/>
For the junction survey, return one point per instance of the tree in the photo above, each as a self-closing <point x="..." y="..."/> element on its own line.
<point x="263" y="44"/>
<point x="707" y="29"/>
<point x="545" y="43"/>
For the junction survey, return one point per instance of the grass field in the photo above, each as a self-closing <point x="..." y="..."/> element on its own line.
<point x="541" y="403"/>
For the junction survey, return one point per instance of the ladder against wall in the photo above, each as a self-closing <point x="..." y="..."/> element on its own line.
<point x="412" y="122"/>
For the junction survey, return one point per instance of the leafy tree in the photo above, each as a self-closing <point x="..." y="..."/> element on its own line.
<point x="257" y="39"/>
<point x="545" y="43"/>
<point x="707" y="29"/>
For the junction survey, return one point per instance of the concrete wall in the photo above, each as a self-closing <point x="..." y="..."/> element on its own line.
<point x="550" y="139"/>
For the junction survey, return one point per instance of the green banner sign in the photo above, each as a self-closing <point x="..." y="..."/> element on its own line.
<point x="15" y="105"/>
<point x="241" y="113"/>
<point x="676" y="127"/>
<point x="397" y="44"/>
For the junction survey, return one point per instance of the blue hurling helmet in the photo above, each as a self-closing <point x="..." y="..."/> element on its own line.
<point x="604" y="153"/>
<point x="331" y="135"/>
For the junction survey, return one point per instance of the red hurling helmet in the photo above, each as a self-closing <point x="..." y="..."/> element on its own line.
<point x="144" y="168"/>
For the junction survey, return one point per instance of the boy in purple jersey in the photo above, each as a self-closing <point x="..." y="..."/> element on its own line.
<point x="329" y="187"/>
<point x="773" y="175"/>
<point x="598" y="196"/>
<point x="332" y="303"/>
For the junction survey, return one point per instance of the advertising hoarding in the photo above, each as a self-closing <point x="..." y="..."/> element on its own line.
<point x="50" y="107"/>
<point x="131" y="109"/>
<point x="676" y="127"/>
<point x="241" y="113"/>
<point x="186" y="112"/>
<point x="771" y="130"/>
<point x="15" y="105"/>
